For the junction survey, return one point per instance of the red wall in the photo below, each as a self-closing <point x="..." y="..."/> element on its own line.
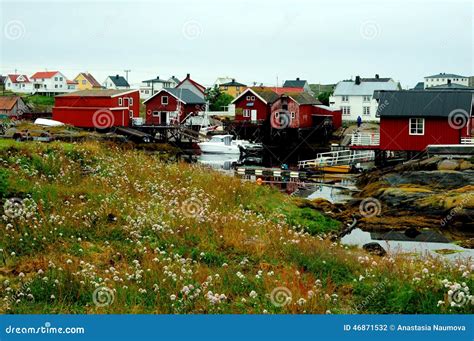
<point x="154" y="104"/>
<point x="394" y="134"/>
<point x="303" y="113"/>
<point x="336" y="115"/>
<point x="95" y="111"/>
<point x="263" y="111"/>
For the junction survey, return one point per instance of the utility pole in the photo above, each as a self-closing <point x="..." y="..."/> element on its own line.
<point x="126" y="74"/>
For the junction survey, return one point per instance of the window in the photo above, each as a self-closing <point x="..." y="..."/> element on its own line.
<point x="60" y="78"/>
<point x="366" y="110"/>
<point x="156" y="113"/>
<point x="248" y="98"/>
<point x="55" y="85"/>
<point x="252" y="98"/>
<point x="246" y="112"/>
<point x="345" y="98"/>
<point x="346" y="110"/>
<point x="226" y="87"/>
<point x="293" y="116"/>
<point x="56" y="79"/>
<point x="238" y="88"/>
<point x="164" y="100"/>
<point x="417" y="126"/>
<point x="130" y="101"/>
<point x="120" y="102"/>
<point x="84" y="82"/>
<point x="130" y="113"/>
<point x="366" y="98"/>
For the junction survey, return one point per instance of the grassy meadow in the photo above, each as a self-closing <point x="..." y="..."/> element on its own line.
<point x="101" y="228"/>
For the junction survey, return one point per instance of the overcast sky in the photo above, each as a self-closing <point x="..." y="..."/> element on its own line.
<point x="259" y="40"/>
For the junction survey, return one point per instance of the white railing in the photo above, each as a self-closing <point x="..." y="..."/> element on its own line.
<point x="340" y="157"/>
<point x="467" y="140"/>
<point x="365" y="139"/>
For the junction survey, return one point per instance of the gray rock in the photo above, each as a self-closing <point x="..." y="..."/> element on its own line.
<point x="375" y="249"/>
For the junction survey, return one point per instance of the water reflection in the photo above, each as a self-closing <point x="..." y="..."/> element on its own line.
<point x="427" y="242"/>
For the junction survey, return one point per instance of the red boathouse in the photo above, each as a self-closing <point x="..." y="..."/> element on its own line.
<point x="97" y="108"/>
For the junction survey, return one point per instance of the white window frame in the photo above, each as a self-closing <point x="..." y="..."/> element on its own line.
<point x="366" y="110"/>
<point x="252" y="98"/>
<point x="163" y="102"/>
<point x="415" y="119"/>
<point x="246" y="113"/>
<point x="345" y="98"/>
<point x="130" y="113"/>
<point x="120" y="101"/>
<point x="346" y="110"/>
<point x="130" y="101"/>
<point x="366" y="99"/>
<point x="156" y="113"/>
<point x="293" y="115"/>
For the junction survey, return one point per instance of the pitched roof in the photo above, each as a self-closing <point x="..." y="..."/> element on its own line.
<point x="14" y="79"/>
<point x="196" y="84"/>
<point x="232" y="83"/>
<point x="424" y="103"/>
<point x="44" y="74"/>
<point x="365" y="88"/>
<point x="419" y="86"/>
<point x="446" y="75"/>
<point x="185" y="95"/>
<point x="119" y="81"/>
<point x="297" y="83"/>
<point x="8" y="102"/>
<point x="90" y="79"/>
<point x="174" y="79"/>
<point x="267" y="94"/>
<point x="97" y="93"/>
<point x="303" y="98"/>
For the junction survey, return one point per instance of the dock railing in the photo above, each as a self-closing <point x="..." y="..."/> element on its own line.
<point x="339" y="157"/>
<point x="467" y="140"/>
<point x="365" y="139"/>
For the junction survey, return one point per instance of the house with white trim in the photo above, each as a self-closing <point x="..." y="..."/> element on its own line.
<point x="356" y="97"/>
<point x="18" y="83"/>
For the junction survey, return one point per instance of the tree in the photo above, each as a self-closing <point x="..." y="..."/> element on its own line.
<point x="217" y="99"/>
<point x="323" y="97"/>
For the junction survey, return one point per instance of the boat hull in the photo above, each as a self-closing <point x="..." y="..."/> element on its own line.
<point x="218" y="149"/>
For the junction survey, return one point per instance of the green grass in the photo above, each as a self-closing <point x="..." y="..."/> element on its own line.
<point x="97" y="216"/>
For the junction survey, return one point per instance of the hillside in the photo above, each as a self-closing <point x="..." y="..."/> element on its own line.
<point x="102" y="228"/>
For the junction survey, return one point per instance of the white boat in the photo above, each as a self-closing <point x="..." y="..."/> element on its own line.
<point x="222" y="144"/>
<point x="48" y="123"/>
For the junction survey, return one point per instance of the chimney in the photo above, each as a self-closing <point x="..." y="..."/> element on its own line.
<point x="377" y="76"/>
<point x="297" y="78"/>
<point x="233" y="80"/>
<point x="157" y="77"/>
<point x="116" y="76"/>
<point x="188" y="75"/>
<point x="357" y="81"/>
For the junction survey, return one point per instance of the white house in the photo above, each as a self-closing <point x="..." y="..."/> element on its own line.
<point x="116" y="83"/>
<point x="445" y="78"/>
<point x="51" y="83"/>
<point x="19" y="83"/>
<point x="192" y="85"/>
<point x="152" y="86"/>
<point x="356" y="97"/>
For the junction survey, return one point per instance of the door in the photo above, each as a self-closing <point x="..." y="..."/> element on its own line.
<point x="253" y="115"/>
<point x="163" y="118"/>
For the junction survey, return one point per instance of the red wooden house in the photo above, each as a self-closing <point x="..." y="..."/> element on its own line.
<point x="97" y="108"/>
<point x="412" y="120"/>
<point x="293" y="110"/>
<point x="172" y="106"/>
<point x="254" y="104"/>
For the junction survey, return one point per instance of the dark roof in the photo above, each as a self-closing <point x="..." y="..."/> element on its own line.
<point x="119" y="80"/>
<point x="446" y="75"/>
<point x="96" y="93"/>
<point x="296" y="83"/>
<point x="268" y="95"/>
<point x="176" y="80"/>
<point x="233" y="83"/>
<point x="449" y="86"/>
<point x="157" y="80"/>
<point x="423" y="103"/>
<point x="185" y="95"/>
<point x="375" y="79"/>
<point x="419" y="86"/>
<point x="303" y="98"/>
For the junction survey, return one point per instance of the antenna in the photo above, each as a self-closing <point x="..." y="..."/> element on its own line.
<point x="126" y="74"/>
